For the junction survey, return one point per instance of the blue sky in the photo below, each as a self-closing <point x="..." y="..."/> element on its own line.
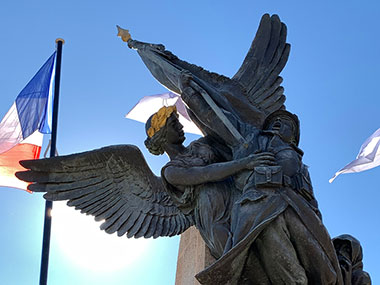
<point x="331" y="83"/>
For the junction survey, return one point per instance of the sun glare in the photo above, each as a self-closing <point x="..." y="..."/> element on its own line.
<point x="79" y="239"/>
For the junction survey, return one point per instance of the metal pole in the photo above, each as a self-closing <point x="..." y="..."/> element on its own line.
<point x="49" y="204"/>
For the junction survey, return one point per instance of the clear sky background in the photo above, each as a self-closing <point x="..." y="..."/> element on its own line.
<point x="331" y="83"/>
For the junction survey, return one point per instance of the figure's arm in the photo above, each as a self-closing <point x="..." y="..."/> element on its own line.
<point x="207" y="117"/>
<point x="204" y="113"/>
<point x="216" y="171"/>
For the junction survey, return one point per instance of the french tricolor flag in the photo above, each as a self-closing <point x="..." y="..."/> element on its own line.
<point x="22" y="128"/>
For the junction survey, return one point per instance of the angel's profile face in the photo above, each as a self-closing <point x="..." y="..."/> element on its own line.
<point x="174" y="130"/>
<point x="284" y="126"/>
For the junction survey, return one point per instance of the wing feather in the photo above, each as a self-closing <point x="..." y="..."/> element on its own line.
<point x="128" y="224"/>
<point x="89" y="205"/>
<point x="275" y="105"/>
<point x="173" y="226"/>
<point x="136" y="227"/>
<point x="166" y="227"/>
<point x="100" y="214"/>
<point x="180" y="225"/>
<point x="268" y="101"/>
<point x="112" y="221"/>
<point x="117" y="220"/>
<point x="264" y="93"/>
<point x="144" y="227"/>
<point x="159" y="228"/>
<point x="152" y="227"/>
<point x="99" y="208"/>
<point x="77" y="189"/>
<point x="90" y="198"/>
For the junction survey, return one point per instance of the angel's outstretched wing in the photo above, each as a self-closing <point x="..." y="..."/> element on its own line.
<point x="114" y="184"/>
<point x="259" y="73"/>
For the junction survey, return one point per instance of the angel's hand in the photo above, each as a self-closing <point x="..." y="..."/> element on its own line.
<point x="186" y="84"/>
<point x="184" y="80"/>
<point x="260" y="159"/>
<point x="187" y="94"/>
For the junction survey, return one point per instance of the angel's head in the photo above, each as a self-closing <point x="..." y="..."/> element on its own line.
<point x="286" y="123"/>
<point x="162" y="128"/>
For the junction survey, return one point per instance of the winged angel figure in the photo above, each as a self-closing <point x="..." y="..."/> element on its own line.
<point x="243" y="184"/>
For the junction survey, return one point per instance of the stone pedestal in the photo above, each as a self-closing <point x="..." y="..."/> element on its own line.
<point x="193" y="257"/>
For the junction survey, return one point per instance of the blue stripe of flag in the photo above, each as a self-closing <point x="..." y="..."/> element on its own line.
<point x="32" y="102"/>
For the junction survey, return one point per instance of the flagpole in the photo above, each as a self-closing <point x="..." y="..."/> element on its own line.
<point x="49" y="204"/>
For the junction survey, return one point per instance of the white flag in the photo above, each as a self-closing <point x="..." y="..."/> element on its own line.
<point x="148" y="105"/>
<point x="368" y="157"/>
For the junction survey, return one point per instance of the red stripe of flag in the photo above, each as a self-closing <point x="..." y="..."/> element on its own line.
<point x="9" y="164"/>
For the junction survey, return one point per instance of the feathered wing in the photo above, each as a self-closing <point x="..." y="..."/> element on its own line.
<point x="114" y="184"/>
<point x="267" y="56"/>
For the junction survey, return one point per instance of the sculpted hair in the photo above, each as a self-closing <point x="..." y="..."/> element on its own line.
<point x="155" y="129"/>
<point x="156" y="142"/>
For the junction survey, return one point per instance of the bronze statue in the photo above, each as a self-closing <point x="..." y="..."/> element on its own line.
<point x="243" y="185"/>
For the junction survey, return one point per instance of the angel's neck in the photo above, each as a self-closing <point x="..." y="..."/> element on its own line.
<point x="174" y="150"/>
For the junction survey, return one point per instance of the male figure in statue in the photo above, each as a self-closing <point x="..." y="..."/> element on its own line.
<point x="275" y="213"/>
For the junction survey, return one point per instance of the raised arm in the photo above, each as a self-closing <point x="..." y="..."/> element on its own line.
<point x="204" y="113"/>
